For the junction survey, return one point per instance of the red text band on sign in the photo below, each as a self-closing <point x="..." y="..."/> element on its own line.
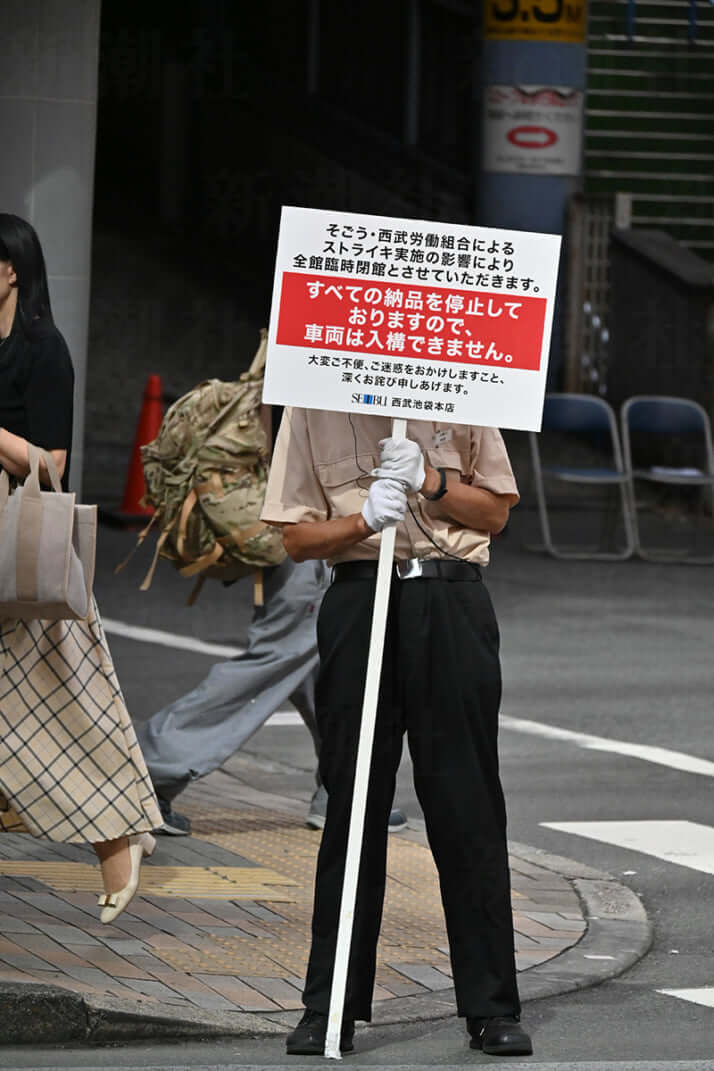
<point x="438" y="324"/>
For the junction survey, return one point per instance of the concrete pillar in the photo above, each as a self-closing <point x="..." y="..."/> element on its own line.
<point x="529" y="44"/>
<point x="48" y="102"/>
<point x="529" y="200"/>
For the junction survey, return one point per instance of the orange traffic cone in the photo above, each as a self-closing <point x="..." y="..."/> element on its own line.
<point x="152" y="412"/>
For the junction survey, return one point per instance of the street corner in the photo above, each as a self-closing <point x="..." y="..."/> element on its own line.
<point x="614" y="930"/>
<point x="217" y="940"/>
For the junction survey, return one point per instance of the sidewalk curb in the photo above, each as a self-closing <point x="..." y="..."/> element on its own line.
<point x="618" y="934"/>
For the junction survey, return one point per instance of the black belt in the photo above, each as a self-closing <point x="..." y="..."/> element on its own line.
<point x="410" y="569"/>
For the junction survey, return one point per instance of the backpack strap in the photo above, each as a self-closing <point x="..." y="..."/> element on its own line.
<point x="146" y="584"/>
<point x="202" y="563"/>
<point x="196" y="590"/>
<point x="258" y="589"/>
<point x="188" y="503"/>
<point x="258" y="362"/>
<point x="139" y="540"/>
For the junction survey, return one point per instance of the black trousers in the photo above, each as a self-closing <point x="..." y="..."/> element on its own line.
<point x="441" y="684"/>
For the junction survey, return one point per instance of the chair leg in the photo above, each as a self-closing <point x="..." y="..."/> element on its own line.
<point x="627" y="497"/>
<point x="662" y="557"/>
<point x="587" y="555"/>
<point x="548" y="544"/>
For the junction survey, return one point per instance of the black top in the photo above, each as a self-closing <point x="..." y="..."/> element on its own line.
<point x="37" y="390"/>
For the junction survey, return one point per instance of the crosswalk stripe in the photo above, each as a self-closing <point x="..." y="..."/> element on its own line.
<point x="688" y="844"/>
<point x="662" y="756"/>
<point x="704" y="996"/>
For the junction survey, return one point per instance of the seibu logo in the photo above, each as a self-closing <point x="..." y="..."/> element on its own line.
<point x="532" y="137"/>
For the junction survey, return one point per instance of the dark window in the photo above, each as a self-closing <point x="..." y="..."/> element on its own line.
<point x="447" y="126"/>
<point x="362" y="60"/>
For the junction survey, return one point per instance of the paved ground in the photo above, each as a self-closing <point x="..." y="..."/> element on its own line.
<point x="217" y="939"/>
<point x="620" y="651"/>
<point x="222" y="922"/>
<point x="223" y="918"/>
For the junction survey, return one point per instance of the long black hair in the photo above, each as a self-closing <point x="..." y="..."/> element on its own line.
<point x="20" y="246"/>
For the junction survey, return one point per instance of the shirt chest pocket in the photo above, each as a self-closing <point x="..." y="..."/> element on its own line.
<point x="346" y="482"/>
<point x="445" y="457"/>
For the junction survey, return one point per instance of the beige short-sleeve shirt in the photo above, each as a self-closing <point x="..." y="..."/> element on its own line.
<point x="321" y="469"/>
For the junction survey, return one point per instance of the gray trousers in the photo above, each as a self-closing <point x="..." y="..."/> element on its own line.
<point x="198" y="732"/>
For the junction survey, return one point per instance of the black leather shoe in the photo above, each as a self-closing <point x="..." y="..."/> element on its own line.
<point x="308" y="1037"/>
<point x="502" y="1035"/>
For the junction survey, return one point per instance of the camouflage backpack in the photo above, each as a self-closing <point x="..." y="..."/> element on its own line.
<point x="206" y="474"/>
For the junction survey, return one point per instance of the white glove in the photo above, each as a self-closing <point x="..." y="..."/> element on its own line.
<point x="402" y="460"/>
<point x="386" y="504"/>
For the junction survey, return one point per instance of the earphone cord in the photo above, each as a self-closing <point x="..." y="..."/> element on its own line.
<point x="442" y="550"/>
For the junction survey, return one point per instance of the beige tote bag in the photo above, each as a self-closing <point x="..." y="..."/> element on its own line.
<point x="47" y="548"/>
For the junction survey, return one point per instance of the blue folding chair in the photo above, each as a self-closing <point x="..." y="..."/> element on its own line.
<point x="662" y="424"/>
<point x="578" y="417"/>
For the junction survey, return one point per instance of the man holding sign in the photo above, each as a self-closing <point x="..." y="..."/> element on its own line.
<point x="371" y="317"/>
<point x="336" y="482"/>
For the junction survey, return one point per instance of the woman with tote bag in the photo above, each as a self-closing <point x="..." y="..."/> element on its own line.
<point x="70" y="767"/>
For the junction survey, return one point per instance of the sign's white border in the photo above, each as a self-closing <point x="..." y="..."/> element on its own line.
<point x="516" y="401"/>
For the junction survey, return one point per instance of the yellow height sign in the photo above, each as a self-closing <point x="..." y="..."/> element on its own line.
<point x="535" y="20"/>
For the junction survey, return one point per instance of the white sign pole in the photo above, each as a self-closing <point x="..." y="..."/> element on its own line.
<point x="359" y="794"/>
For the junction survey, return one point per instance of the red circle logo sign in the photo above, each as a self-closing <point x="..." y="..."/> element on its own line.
<point x="532" y="137"/>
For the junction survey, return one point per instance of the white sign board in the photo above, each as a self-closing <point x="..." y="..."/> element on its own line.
<point x="411" y="319"/>
<point x="533" y="130"/>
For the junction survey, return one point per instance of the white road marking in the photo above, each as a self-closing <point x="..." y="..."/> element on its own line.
<point x="687" y="844"/>
<point x="189" y="643"/>
<point x="676" y="760"/>
<point x="168" y="639"/>
<point x="703" y="996"/>
<point x="285" y="717"/>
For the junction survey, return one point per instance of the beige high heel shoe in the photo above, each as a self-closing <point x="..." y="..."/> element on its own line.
<point x="140" y="845"/>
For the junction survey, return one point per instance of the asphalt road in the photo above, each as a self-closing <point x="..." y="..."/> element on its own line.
<point x="611" y="654"/>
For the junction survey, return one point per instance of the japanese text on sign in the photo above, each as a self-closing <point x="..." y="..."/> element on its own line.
<point x="445" y="325"/>
<point x="379" y="315"/>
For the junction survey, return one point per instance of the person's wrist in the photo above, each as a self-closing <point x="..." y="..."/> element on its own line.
<point x="432" y="482"/>
<point x="363" y="529"/>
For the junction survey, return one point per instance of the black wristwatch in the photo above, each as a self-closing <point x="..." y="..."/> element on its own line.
<point x="442" y="487"/>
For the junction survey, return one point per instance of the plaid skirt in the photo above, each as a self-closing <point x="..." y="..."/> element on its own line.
<point x="71" y="769"/>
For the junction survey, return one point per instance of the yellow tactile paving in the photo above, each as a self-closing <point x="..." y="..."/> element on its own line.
<point x="223" y="883"/>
